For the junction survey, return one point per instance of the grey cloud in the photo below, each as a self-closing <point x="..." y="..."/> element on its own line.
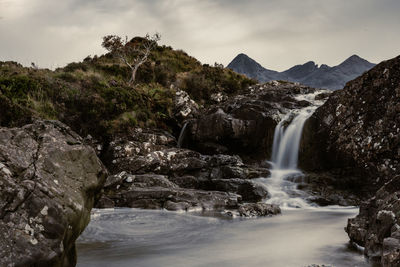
<point x="278" y="33"/>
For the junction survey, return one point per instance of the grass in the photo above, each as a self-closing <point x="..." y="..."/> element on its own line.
<point x="93" y="96"/>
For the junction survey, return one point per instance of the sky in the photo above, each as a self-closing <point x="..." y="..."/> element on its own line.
<point x="276" y="33"/>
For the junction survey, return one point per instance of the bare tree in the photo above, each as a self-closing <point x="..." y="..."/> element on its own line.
<point x="132" y="54"/>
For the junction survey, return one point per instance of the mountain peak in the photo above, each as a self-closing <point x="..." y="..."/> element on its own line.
<point x="241" y="59"/>
<point x="355" y="59"/>
<point x="308" y="73"/>
<point x="243" y="64"/>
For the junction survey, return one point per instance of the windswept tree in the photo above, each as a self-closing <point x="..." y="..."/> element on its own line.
<point x="133" y="54"/>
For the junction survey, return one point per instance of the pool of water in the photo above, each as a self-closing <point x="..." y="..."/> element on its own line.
<point x="298" y="237"/>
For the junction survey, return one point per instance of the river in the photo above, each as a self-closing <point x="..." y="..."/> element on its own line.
<point x="303" y="235"/>
<point x="298" y="237"/>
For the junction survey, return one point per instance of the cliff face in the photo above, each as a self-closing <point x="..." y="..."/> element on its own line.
<point x="358" y="131"/>
<point x="360" y="125"/>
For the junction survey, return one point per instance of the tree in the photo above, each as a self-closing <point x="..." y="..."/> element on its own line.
<point x="133" y="54"/>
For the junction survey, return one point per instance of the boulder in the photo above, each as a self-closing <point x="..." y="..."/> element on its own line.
<point x="377" y="227"/>
<point x="258" y="209"/>
<point x="49" y="181"/>
<point x="357" y="130"/>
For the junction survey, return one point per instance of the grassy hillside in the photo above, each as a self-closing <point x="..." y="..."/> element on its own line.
<point x="93" y="96"/>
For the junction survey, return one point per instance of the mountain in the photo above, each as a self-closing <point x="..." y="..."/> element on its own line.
<point x="308" y="74"/>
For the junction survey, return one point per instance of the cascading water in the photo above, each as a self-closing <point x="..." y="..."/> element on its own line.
<point x="182" y="135"/>
<point x="285" y="151"/>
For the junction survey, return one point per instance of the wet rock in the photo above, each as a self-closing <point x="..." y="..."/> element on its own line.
<point x="48" y="181"/>
<point x="147" y="153"/>
<point x="249" y="190"/>
<point x="152" y="191"/>
<point x="358" y="129"/>
<point x="258" y="209"/>
<point x="245" y="124"/>
<point x="377" y="227"/>
<point x="327" y="188"/>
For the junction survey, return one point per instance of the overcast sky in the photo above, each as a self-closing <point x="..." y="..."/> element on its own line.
<point x="276" y="33"/>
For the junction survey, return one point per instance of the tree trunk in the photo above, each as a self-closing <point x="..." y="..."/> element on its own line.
<point x="133" y="77"/>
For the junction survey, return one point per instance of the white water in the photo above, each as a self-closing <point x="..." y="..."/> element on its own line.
<point x="285" y="153"/>
<point x="182" y="135"/>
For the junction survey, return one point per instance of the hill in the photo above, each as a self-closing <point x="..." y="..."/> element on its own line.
<point x="93" y="96"/>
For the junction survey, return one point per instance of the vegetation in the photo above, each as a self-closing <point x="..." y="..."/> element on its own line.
<point x="133" y="54"/>
<point x="93" y="96"/>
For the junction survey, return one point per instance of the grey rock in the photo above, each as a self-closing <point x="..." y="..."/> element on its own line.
<point x="48" y="181"/>
<point x="245" y="124"/>
<point x="258" y="209"/>
<point x="377" y="227"/>
<point x="151" y="191"/>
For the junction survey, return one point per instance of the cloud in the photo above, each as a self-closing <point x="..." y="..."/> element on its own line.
<point x="277" y="33"/>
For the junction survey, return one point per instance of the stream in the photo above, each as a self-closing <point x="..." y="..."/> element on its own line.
<point x="298" y="237"/>
<point x="303" y="235"/>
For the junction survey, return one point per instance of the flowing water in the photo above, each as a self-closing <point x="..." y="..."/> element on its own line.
<point x="285" y="153"/>
<point x="145" y="238"/>
<point x="301" y="236"/>
<point x="182" y="135"/>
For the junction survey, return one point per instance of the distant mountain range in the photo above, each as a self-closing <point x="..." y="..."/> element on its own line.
<point x="308" y="74"/>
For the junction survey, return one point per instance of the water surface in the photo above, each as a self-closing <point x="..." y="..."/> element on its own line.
<point x="133" y="237"/>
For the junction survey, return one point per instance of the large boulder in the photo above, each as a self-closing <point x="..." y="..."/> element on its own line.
<point x="48" y="181"/>
<point x="245" y="124"/>
<point x="357" y="130"/>
<point x="377" y="227"/>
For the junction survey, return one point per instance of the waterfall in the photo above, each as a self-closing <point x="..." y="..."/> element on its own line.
<point x="182" y="135"/>
<point x="285" y="152"/>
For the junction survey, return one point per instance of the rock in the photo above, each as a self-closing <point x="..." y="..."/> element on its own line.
<point x="249" y="190"/>
<point x="322" y="96"/>
<point x="184" y="107"/>
<point x="357" y="130"/>
<point x="49" y="181"/>
<point x="391" y="252"/>
<point x="327" y="188"/>
<point x="258" y="209"/>
<point x="151" y="191"/>
<point x="377" y="227"/>
<point x="245" y="124"/>
<point x="147" y="153"/>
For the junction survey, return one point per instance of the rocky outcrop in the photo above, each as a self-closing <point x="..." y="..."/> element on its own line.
<point x="48" y="181"/>
<point x="356" y="135"/>
<point x="377" y="227"/>
<point x="151" y="191"/>
<point x="184" y="107"/>
<point x="151" y="172"/>
<point x="358" y="129"/>
<point x="258" y="209"/>
<point x="245" y="124"/>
